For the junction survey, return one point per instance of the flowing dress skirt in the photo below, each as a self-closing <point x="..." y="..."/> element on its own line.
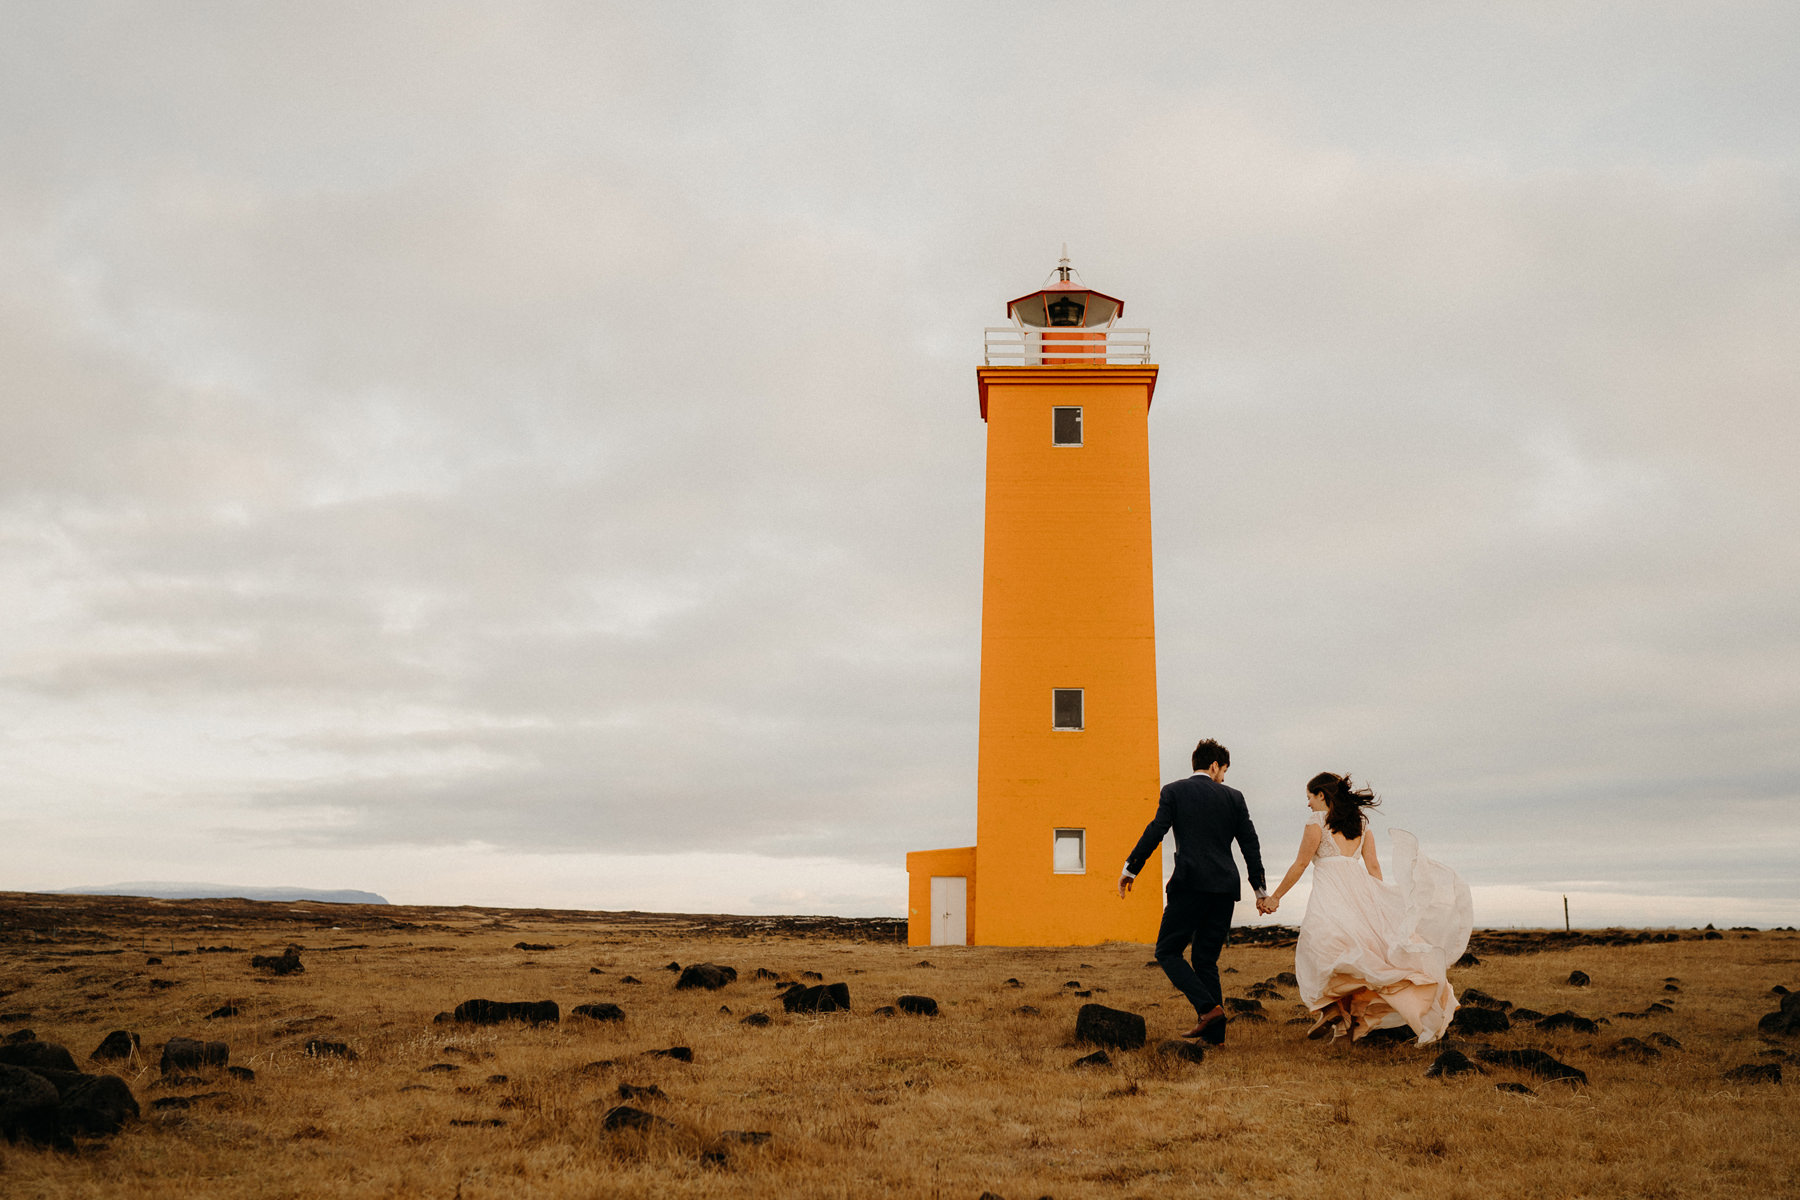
<point x="1382" y="950"/>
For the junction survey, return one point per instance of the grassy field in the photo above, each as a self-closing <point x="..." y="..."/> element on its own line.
<point x="982" y="1098"/>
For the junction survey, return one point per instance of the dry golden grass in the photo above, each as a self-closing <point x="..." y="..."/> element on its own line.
<point x="978" y="1099"/>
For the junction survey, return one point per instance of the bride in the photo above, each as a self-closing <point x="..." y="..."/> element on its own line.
<point x="1372" y="954"/>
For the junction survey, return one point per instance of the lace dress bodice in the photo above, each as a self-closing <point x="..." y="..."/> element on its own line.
<point x="1328" y="850"/>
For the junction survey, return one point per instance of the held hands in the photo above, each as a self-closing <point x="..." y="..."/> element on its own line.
<point x="1266" y="905"/>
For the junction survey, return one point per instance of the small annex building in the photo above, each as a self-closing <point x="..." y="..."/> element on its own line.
<point x="1068" y="765"/>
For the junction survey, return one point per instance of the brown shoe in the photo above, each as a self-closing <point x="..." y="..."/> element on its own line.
<point x="1211" y="1026"/>
<point x="1325" y="1026"/>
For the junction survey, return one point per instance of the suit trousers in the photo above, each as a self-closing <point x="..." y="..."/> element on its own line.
<point x="1202" y="921"/>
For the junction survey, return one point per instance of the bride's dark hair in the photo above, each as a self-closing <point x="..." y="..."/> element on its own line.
<point x="1344" y="804"/>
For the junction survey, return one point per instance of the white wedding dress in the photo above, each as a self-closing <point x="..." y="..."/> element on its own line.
<point x="1381" y="950"/>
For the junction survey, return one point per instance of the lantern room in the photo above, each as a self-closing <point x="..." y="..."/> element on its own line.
<point x="1065" y="304"/>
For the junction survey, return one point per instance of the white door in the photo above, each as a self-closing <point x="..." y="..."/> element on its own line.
<point x="949" y="910"/>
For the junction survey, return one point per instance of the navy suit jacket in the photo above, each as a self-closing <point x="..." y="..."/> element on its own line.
<point x="1206" y="817"/>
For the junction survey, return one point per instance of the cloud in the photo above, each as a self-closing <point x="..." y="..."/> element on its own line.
<point x="555" y="431"/>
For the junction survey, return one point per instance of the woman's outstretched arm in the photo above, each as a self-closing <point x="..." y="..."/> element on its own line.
<point x="1368" y="854"/>
<point x="1309" y="842"/>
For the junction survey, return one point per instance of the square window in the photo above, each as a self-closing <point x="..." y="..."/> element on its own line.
<point x="1065" y="426"/>
<point x="1066" y="709"/>
<point x="1068" y="854"/>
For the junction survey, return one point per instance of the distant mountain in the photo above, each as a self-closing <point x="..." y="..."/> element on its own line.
<point x="222" y="891"/>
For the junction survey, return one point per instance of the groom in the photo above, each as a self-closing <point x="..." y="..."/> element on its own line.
<point x="1207" y="817"/>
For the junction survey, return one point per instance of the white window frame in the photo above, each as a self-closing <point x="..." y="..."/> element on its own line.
<point x="1057" y="835"/>
<point x="1081" y="693"/>
<point x="1080" y="426"/>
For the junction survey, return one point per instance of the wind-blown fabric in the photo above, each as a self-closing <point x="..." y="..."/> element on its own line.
<point x="1382" y="949"/>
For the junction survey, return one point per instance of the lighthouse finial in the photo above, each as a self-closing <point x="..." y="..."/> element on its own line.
<point x="1062" y="266"/>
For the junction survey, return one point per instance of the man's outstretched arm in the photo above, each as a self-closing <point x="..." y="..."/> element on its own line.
<point x="1252" y="848"/>
<point x="1146" y="845"/>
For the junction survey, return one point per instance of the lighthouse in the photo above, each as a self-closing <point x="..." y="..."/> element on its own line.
<point x="1068" y="766"/>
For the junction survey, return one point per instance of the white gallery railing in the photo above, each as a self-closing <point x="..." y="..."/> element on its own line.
<point x="1011" y="346"/>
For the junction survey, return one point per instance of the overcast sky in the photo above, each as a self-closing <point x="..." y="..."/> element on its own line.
<point x="529" y="454"/>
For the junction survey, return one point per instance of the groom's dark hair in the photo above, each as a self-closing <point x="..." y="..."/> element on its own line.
<point x="1209" y="752"/>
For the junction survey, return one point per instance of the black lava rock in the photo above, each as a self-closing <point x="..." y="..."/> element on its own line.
<point x="1175" y="1048"/>
<point x="918" y="1006"/>
<point x="1287" y="979"/>
<point x="186" y="1054"/>
<point x="91" y="1105"/>
<point x="242" y="1074"/>
<point x="1027" y="1010"/>
<point x="624" y="1116"/>
<point x="764" y="973"/>
<point x="710" y="976"/>
<point x="120" y="1043"/>
<point x="1579" y="979"/>
<point x="285" y="963"/>
<point x="1517" y="1089"/>
<point x="1535" y="1061"/>
<point x="1567" y="1020"/>
<point x="1632" y="1050"/>
<point x="746" y="1137"/>
<point x="755" y="1020"/>
<point x="1098" y="1058"/>
<point x="498" y="1012"/>
<point x="819" y="998"/>
<point x="1755" y="1073"/>
<point x="28" y="1107"/>
<point x="1237" y="1005"/>
<point x="224" y="1010"/>
<point x="532" y="946"/>
<point x="1531" y="1014"/>
<point x="1475" y="997"/>
<point x="1450" y="1062"/>
<point x="320" y="1048"/>
<point x="1480" y="1020"/>
<point x="1785" y="1020"/>
<point x="37" y="1056"/>
<point x="886" y="1010"/>
<point x="1099" y="1025"/>
<point x="640" y="1091"/>
<point x="1467" y="960"/>
<point x="1663" y="1040"/>
<point x="598" y="1012"/>
<point x="678" y="1053"/>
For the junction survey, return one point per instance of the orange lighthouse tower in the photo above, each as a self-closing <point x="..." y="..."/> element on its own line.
<point x="1068" y="766"/>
